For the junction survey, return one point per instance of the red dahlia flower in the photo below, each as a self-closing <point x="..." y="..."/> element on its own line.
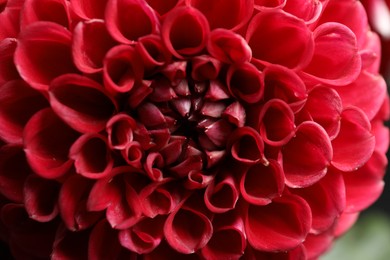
<point x="187" y="129"/>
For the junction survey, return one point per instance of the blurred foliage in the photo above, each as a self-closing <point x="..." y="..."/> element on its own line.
<point x="369" y="239"/>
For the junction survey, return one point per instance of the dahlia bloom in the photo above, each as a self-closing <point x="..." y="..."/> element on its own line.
<point x="187" y="129"/>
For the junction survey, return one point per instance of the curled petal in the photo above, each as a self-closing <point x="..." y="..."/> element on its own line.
<point x="186" y="238"/>
<point x="92" y="156"/>
<point x="230" y="16"/>
<point x="185" y="31"/>
<point x="43" y="53"/>
<point x="81" y="102"/>
<point x="222" y="195"/>
<point x="47" y="140"/>
<point x="56" y="11"/>
<point x="7" y="70"/>
<point x="247" y="146"/>
<point x="72" y="203"/>
<point x="191" y="163"/>
<point x="310" y="164"/>
<point x="89" y="9"/>
<point x="309" y="11"/>
<point x="87" y="55"/>
<point x="276" y="122"/>
<point x="40" y="198"/>
<point x="14" y="170"/>
<point x="289" y="42"/>
<point x="344" y="65"/>
<point x="139" y="93"/>
<point x="245" y="82"/>
<point x="152" y="160"/>
<point x="120" y="131"/>
<point x="260" y="184"/>
<point x="268" y="228"/>
<point x="103" y="242"/>
<point x="235" y="114"/>
<point x="355" y="143"/>
<point x="197" y="180"/>
<point x="128" y="20"/>
<point x="219" y="132"/>
<point x="122" y="69"/>
<point x="153" y="52"/>
<point x="18" y="103"/>
<point x="229" y="47"/>
<point x="163" y="7"/>
<point x="133" y="154"/>
<point x="205" y="68"/>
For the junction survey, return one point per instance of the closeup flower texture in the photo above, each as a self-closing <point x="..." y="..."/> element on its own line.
<point x="187" y="129"/>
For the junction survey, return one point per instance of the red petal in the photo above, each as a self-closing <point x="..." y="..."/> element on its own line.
<point x="10" y="19"/>
<point x="289" y="41"/>
<point x="185" y="31"/>
<point x="153" y="52"/>
<point x="355" y="143"/>
<point x="165" y="252"/>
<point x="310" y="164"/>
<point x="120" y="131"/>
<point x="205" y="68"/>
<point x="43" y="53"/>
<point x="317" y="245"/>
<point x="81" y="102"/>
<point x="309" y="11"/>
<point x="235" y="114"/>
<point x="46" y="142"/>
<point x="133" y="154"/>
<point x="222" y="194"/>
<point x="269" y="4"/>
<point x="345" y="222"/>
<point x="162" y="7"/>
<point x="7" y="70"/>
<point x="128" y="20"/>
<point x="103" y="242"/>
<point x="268" y="229"/>
<point x="89" y="9"/>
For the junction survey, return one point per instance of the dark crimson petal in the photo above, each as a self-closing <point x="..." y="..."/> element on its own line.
<point x="103" y="242"/>
<point x="14" y="170"/>
<point x="368" y="92"/>
<point x="154" y="162"/>
<point x="317" y="244"/>
<point x="133" y="154"/>
<point x="128" y="20"/>
<point x="191" y="163"/>
<point x="247" y="146"/>
<point x="260" y="184"/>
<point x="310" y="164"/>
<point x="245" y="82"/>
<point x="153" y="52"/>
<point x="185" y="31"/>
<point x="217" y="91"/>
<point x="341" y="68"/>
<point x="231" y="16"/>
<point x="81" y="102"/>
<point x="120" y="131"/>
<point x="205" y="68"/>
<point x="235" y="114"/>
<point x="324" y="107"/>
<point x="173" y="150"/>
<point x="72" y="204"/>
<point x="92" y="156"/>
<point x="355" y="143"/>
<point x="326" y="207"/>
<point x="89" y="9"/>
<point x="87" y="55"/>
<point x="40" y="198"/>
<point x="228" y="46"/>
<point x="364" y="186"/>
<point x="283" y="83"/>
<point x="163" y="7"/>
<point x="276" y="122"/>
<point x="56" y="11"/>
<point x="70" y="245"/>
<point x="47" y="140"/>
<point x="219" y="132"/>
<point x="165" y="252"/>
<point x="308" y="10"/>
<point x="144" y="236"/>
<point x="197" y="180"/>
<point x="176" y="73"/>
<point x="139" y="93"/>
<point x="28" y="238"/>
<point x="18" y="102"/>
<point x="268" y="228"/>
<point x="186" y="238"/>
<point x="43" y="53"/>
<point x="122" y="69"/>
<point x="7" y="70"/>
<point x="289" y="42"/>
<point x="222" y="194"/>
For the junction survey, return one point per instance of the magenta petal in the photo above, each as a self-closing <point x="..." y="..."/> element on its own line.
<point x="245" y="82"/>
<point x="341" y="68"/>
<point x="92" y="156"/>
<point x="47" y="141"/>
<point x="228" y="47"/>
<point x="81" y="102"/>
<point x="128" y="20"/>
<point x="186" y="238"/>
<point x="89" y="9"/>
<point x="87" y="55"/>
<point x="40" y="198"/>
<point x="268" y="229"/>
<point x="122" y="69"/>
<point x="310" y="164"/>
<point x="185" y="31"/>
<point x="14" y="170"/>
<point x="7" y="70"/>
<point x="18" y="103"/>
<point x="260" y="184"/>
<point x="231" y="16"/>
<point x="43" y="53"/>
<point x="103" y="242"/>
<point x="276" y="122"/>
<point x="289" y="42"/>
<point x="355" y="143"/>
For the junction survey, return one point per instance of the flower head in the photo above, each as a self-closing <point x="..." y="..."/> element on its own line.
<point x="187" y="128"/>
